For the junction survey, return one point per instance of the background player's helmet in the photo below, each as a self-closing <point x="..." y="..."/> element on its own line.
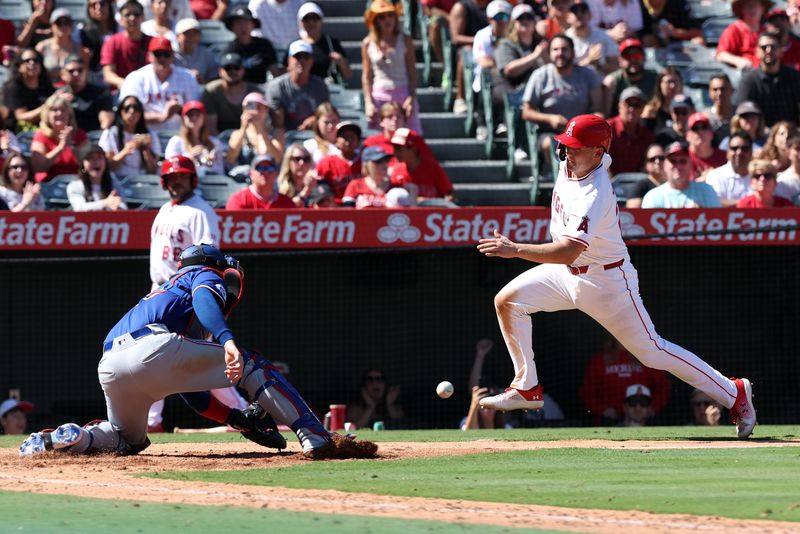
<point x="586" y="131"/>
<point x="178" y="164"/>
<point x="203" y="255"/>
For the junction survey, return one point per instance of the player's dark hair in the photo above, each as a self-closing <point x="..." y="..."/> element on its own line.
<point x="106" y="186"/>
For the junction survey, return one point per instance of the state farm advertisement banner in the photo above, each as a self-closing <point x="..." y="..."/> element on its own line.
<point x="379" y="228"/>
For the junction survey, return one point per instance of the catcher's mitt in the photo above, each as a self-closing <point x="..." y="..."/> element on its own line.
<point x="259" y="427"/>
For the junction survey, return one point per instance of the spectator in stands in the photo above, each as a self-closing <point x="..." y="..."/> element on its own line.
<point x="322" y="196"/>
<point x="700" y="136"/>
<point x="8" y="41"/>
<point x="609" y="374"/>
<point x="258" y="55"/>
<point x="293" y="97"/>
<point x="330" y="59"/>
<point x="262" y="193"/>
<point x="681" y="109"/>
<point x="777" y="21"/>
<point x="56" y="49"/>
<point x="389" y="64"/>
<point x="637" y="408"/>
<point x="55" y="145"/>
<point x="498" y="13"/>
<point x="124" y="52"/>
<point x="223" y="97"/>
<point x="376" y="402"/>
<point x="737" y="44"/>
<point x="324" y="141"/>
<point x="773" y="87"/>
<point x="622" y="19"/>
<point x="160" y="24"/>
<point x="763" y="182"/>
<point x="667" y="21"/>
<point x="297" y="178"/>
<point x="417" y="165"/>
<point x="789" y="180"/>
<point x="161" y="87"/>
<point x="466" y="18"/>
<point x="92" y="104"/>
<point x="654" y="167"/>
<point x="629" y="137"/>
<point x="720" y="91"/>
<point x="95" y="189"/>
<point x="179" y="9"/>
<point x="593" y="47"/>
<point x="748" y="119"/>
<point x="679" y="191"/>
<point x="658" y="112"/>
<point x="100" y="24"/>
<point x="192" y="55"/>
<point x="12" y="416"/>
<point x="731" y="182"/>
<point x="9" y="143"/>
<point x="392" y="118"/>
<point x="27" y="90"/>
<point x="631" y="72"/>
<point x="478" y="416"/>
<point x="559" y="90"/>
<point x="131" y="148"/>
<point x="254" y="136"/>
<point x="370" y="191"/>
<point x="209" y="9"/>
<point x="278" y="20"/>
<point x="339" y="169"/>
<point x="705" y="410"/>
<point x="556" y="21"/>
<point x="38" y="27"/>
<point x="775" y="149"/>
<point x="18" y="190"/>
<point x="194" y="141"/>
<point x="438" y="15"/>
<point x="519" y="54"/>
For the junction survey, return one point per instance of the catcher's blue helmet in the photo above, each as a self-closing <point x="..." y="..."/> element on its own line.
<point x="203" y="255"/>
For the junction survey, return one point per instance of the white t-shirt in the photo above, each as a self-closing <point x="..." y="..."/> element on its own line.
<point x="177" y="147"/>
<point x="176" y="227"/>
<point x="482" y="47"/>
<point x="149" y="28"/>
<point x="727" y="184"/>
<point x="313" y="148"/>
<point x="133" y="163"/>
<point x="788" y="184"/>
<point x="154" y="94"/>
<point x="596" y="36"/>
<point x="76" y="194"/>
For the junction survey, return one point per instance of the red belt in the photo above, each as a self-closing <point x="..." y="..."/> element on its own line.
<point x="585" y="268"/>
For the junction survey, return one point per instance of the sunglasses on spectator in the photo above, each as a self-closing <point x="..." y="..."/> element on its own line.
<point x="232" y="68"/>
<point x="764" y="175"/>
<point x="680" y="111"/>
<point x="64" y="21"/>
<point x="748" y="116"/>
<point x="266" y="168"/>
<point x="162" y="54"/>
<point x="679" y="161"/>
<point x="131" y="107"/>
<point x="374" y="378"/>
<point x="700" y="127"/>
<point x="643" y="401"/>
<point x="75" y="71"/>
<point x="29" y="60"/>
<point x="302" y="56"/>
<point x="501" y="17"/>
<point x="526" y="18"/>
<point x="303" y="159"/>
<point x="17" y="167"/>
<point x="766" y="47"/>
<point x="636" y="104"/>
<point x="633" y="56"/>
<point x="738" y="148"/>
<point x="656" y="158"/>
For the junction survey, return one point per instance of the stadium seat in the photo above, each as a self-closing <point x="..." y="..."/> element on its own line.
<point x="713" y="28"/>
<point x="54" y="191"/>
<point x="94" y="135"/>
<point x="214" y="32"/>
<point x="622" y="183"/>
<point x="25" y="139"/>
<point x="217" y="194"/>
<point x="143" y="191"/>
<point x="76" y="8"/>
<point x="15" y="10"/>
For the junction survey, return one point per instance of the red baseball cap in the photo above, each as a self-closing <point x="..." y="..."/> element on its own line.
<point x="694" y="118"/>
<point x="159" y="43"/>
<point x="177" y="164"/>
<point x="776" y="12"/>
<point x="407" y="138"/>
<point x="630" y="43"/>
<point x="193" y="104"/>
<point x="678" y="147"/>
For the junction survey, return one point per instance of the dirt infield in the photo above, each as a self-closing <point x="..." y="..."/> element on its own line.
<point x="109" y="477"/>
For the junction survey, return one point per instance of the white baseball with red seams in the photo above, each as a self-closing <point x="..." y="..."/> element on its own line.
<point x="585" y="210"/>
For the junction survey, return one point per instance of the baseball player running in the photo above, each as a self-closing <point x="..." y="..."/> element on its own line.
<point x="587" y="267"/>
<point x="158" y="349"/>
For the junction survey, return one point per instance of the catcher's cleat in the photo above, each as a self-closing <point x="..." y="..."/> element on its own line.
<point x="259" y="427"/>
<point x="743" y="413"/>
<point x="39" y="442"/>
<point x="342" y="447"/>
<point x="515" y="399"/>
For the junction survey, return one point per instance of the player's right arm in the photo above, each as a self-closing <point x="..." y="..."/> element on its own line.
<point x="563" y="252"/>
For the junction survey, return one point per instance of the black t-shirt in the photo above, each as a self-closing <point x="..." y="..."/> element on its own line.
<point x="16" y="96"/>
<point x="256" y="57"/>
<point x="321" y="50"/>
<point x="640" y="188"/>
<point x="88" y="103"/>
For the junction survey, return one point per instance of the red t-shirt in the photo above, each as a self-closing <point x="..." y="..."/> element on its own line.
<point x="203" y="9"/>
<point x="752" y="201"/>
<point x="7" y="33"/>
<point x="66" y="162"/>
<point x="740" y="41"/>
<point x="124" y="53"/>
<point x="338" y="172"/>
<point x="444" y="5"/>
<point x="359" y="191"/>
<point x="700" y="165"/>
<point x="429" y="176"/>
<point x="791" y="54"/>
<point x="247" y="200"/>
<point x="379" y="140"/>
<point x="628" y="151"/>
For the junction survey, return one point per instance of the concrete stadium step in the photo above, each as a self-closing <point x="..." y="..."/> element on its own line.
<point x="341" y="8"/>
<point x="357" y="68"/>
<point x="460" y="149"/>
<point x="476" y="171"/>
<point x="442" y="125"/>
<point x="431" y="99"/>
<point x="353" y="50"/>
<point x="507" y="194"/>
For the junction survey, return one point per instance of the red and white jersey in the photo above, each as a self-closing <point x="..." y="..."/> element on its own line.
<point x="585" y="210"/>
<point x="176" y="227"/>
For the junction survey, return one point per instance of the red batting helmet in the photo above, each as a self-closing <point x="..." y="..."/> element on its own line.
<point x="586" y="131"/>
<point x="178" y="164"/>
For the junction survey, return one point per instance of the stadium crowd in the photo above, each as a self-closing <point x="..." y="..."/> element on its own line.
<point x="100" y="101"/>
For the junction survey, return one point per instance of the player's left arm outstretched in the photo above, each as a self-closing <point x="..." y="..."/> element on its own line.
<point x="563" y="252"/>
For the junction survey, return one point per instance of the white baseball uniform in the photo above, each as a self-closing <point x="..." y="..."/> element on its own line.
<point x="154" y="94"/>
<point x="602" y="283"/>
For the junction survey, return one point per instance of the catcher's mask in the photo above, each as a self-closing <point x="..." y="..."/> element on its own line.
<point x="227" y="266"/>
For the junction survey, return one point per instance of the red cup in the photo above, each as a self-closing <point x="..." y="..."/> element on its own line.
<point x="338" y="413"/>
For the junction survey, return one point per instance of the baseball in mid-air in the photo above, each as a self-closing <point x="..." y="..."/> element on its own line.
<point x="444" y="389"/>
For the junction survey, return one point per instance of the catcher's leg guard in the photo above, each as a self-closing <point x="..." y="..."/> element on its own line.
<point x="205" y="404"/>
<point x="279" y="398"/>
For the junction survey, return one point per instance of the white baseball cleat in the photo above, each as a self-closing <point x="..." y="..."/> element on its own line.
<point x="39" y="442"/>
<point x="743" y="413"/>
<point x="515" y="399"/>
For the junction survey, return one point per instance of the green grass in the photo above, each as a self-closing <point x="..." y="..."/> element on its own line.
<point x="23" y="512"/>
<point x="738" y="483"/>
